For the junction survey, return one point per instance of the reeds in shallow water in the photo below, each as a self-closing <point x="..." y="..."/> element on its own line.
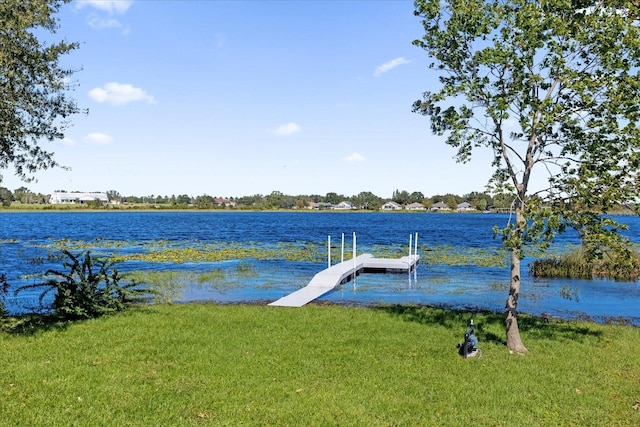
<point x="577" y="265"/>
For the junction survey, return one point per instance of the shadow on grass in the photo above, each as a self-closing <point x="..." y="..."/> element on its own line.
<point x="32" y="324"/>
<point x="557" y="330"/>
<point x="487" y="322"/>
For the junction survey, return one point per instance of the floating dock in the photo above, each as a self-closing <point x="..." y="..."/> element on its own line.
<point x="328" y="279"/>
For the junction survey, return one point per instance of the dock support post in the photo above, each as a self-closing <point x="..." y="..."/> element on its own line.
<point x="329" y="251"/>
<point x="415" y="253"/>
<point x="354" y="261"/>
<point x="410" y="244"/>
<point x="342" y="253"/>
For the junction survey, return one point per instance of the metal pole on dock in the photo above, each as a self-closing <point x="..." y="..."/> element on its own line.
<point x="409" y="269"/>
<point x="354" y="260"/>
<point x="342" y="253"/>
<point x="415" y="252"/>
<point x="329" y="251"/>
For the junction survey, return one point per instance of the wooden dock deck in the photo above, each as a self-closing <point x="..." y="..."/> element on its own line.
<point x="328" y="279"/>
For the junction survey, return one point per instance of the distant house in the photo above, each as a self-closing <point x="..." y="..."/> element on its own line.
<point x="391" y="206"/>
<point x="319" y="205"/>
<point x="220" y="201"/>
<point x="440" y="206"/>
<point x="415" y="206"/>
<point x="464" y="206"/>
<point x="343" y="206"/>
<point x="77" y="198"/>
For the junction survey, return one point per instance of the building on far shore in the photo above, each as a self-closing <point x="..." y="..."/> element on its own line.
<point x="416" y="206"/>
<point x="465" y="207"/>
<point x="223" y="202"/>
<point x="342" y="206"/>
<point x="391" y="206"/>
<point x="440" y="206"/>
<point x="77" y="198"/>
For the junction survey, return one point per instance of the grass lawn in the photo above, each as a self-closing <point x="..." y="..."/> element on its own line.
<point x="206" y="364"/>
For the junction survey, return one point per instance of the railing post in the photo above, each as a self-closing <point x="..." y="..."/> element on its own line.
<point x="354" y="261"/>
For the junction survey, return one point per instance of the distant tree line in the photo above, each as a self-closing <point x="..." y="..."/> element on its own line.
<point x="21" y="195"/>
<point x="364" y="200"/>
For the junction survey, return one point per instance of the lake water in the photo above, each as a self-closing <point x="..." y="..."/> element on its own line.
<point x="27" y="240"/>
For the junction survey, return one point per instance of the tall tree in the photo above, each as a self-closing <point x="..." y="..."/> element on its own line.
<point x="6" y="197"/>
<point x="333" y="198"/>
<point x="416" y="197"/>
<point x="34" y="101"/>
<point x="401" y="197"/>
<point x="21" y="194"/>
<point x="367" y="200"/>
<point x="549" y="86"/>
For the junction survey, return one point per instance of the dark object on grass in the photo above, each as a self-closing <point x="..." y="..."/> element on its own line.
<point x="469" y="348"/>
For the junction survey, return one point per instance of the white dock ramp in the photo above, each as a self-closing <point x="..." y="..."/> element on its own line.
<point x="328" y="279"/>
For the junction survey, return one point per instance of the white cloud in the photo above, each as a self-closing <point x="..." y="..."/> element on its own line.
<point x="98" y="23"/>
<point x="388" y="66"/>
<point x="354" y="158"/>
<point x="98" y="138"/>
<point x="288" y="129"/>
<point x="110" y="6"/>
<point x="120" y="94"/>
<point x="103" y="18"/>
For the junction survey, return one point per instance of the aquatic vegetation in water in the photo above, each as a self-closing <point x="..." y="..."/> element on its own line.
<point x="438" y="279"/>
<point x="169" y="286"/>
<point x="498" y="286"/>
<point x="165" y="286"/>
<point x="271" y="284"/>
<point x="466" y="256"/>
<point x="576" y="264"/>
<point x="195" y="251"/>
<point x="214" y="275"/>
<point x="188" y="251"/>
<point x="388" y="251"/>
<point x="216" y="279"/>
<point x="567" y="292"/>
<point x="246" y="269"/>
<point x="456" y="291"/>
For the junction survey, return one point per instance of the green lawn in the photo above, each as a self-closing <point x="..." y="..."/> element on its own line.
<point x="205" y="364"/>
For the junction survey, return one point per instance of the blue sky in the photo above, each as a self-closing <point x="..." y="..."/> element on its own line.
<point x="234" y="98"/>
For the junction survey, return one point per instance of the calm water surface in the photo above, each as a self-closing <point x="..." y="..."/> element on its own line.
<point x="26" y="239"/>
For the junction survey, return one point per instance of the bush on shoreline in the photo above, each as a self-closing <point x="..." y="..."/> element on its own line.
<point x="88" y="287"/>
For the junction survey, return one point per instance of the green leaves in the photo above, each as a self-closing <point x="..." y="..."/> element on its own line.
<point x="34" y="104"/>
<point x="546" y="86"/>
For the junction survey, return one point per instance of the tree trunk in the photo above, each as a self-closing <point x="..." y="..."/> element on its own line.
<point x="514" y="342"/>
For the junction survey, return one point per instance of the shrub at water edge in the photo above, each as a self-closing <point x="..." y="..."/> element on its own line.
<point x="91" y="287"/>
<point x="577" y="265"/>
